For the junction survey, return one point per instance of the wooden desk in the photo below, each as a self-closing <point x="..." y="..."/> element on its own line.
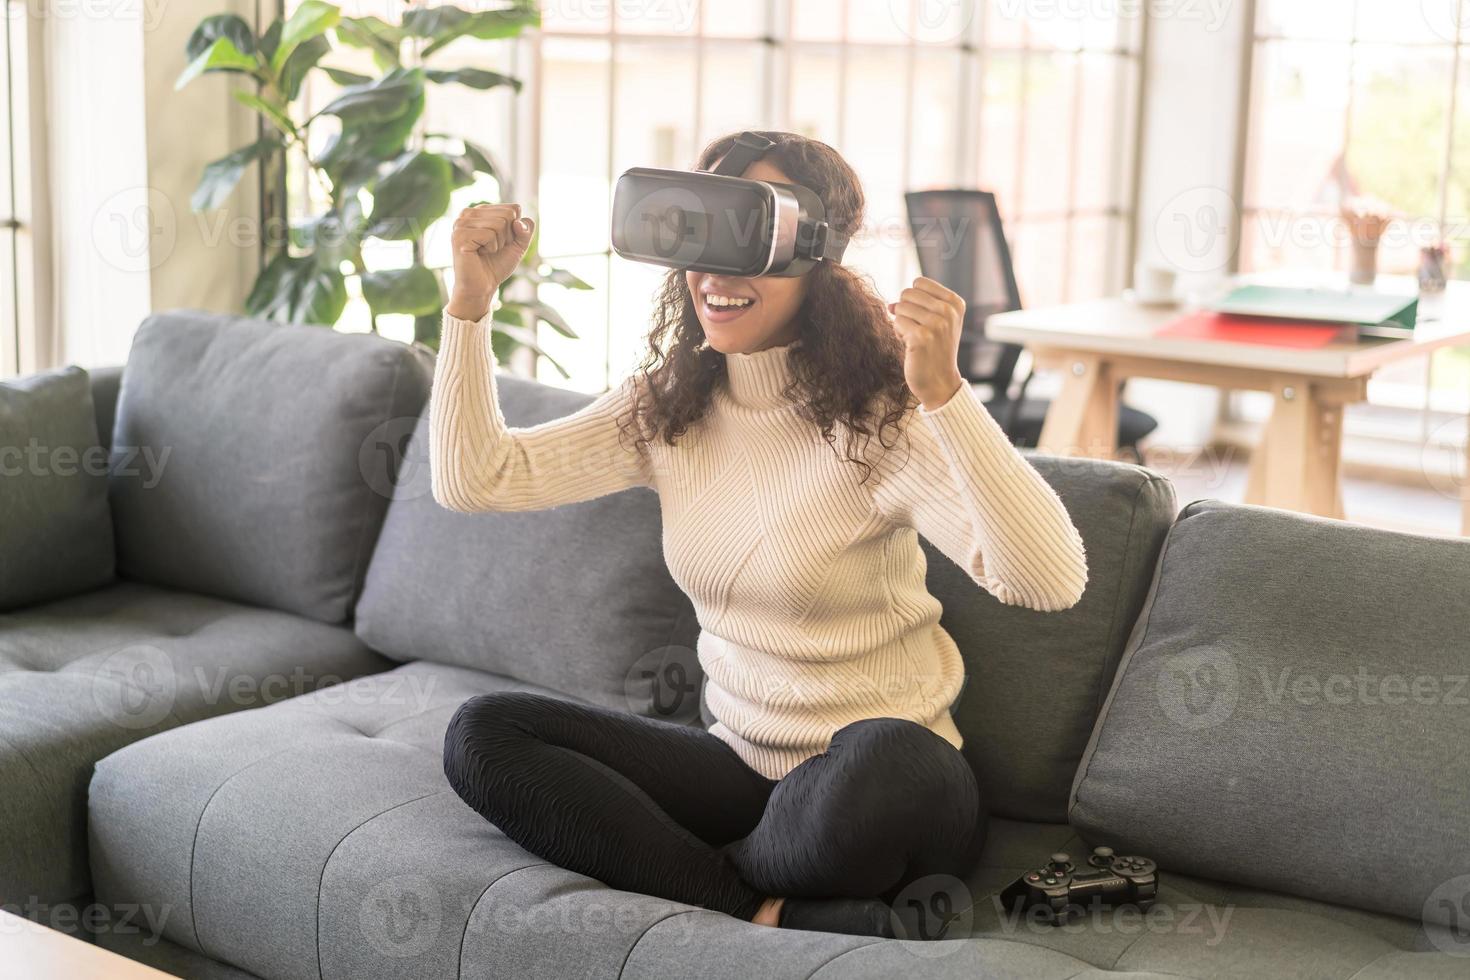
<point x="1096" y="345"/>
<point x="31" y="950"/>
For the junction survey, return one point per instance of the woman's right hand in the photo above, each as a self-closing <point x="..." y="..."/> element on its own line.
<point x="489" y="241"/>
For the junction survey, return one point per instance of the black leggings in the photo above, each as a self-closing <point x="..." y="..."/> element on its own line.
<point x="650" y="806"/>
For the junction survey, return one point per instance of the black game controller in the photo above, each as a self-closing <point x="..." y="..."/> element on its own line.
<point x="1106" y="880"/>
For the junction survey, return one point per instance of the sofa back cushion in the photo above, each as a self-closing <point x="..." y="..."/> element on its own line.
<point x="1293" y="713"/>
<point x="248" y="457"/>
<point x="1035" y="681"/>
<point x="55" y="529"/>
<point x="575" y="598"/>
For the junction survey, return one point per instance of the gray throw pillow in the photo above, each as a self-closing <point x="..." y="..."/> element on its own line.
<point x="575" y="598"/>
<point x="1293" y="713"/>
<point x="253" y="460"/>
<point x="55" y="528"/>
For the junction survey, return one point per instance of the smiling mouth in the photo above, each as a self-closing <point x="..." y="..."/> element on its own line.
<point x="721" y="308"/>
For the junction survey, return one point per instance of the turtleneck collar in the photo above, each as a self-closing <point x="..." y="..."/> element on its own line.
<point x="757" y="379"/>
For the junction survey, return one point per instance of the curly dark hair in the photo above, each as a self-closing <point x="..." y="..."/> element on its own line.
<point x="846" y="360"/>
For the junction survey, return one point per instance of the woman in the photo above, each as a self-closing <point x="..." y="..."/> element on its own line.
<point x="832" y="777"/>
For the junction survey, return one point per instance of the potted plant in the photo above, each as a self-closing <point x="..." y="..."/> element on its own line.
<point x="382" y="176"/>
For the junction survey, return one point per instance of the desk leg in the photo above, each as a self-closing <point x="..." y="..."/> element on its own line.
<point x="1298" y="465"/>
<point x="1083" y="420"/>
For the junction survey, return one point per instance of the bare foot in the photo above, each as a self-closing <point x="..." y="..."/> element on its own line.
<point x="769" y="913"/>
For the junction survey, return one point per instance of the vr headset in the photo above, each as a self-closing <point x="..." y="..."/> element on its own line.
<point x="719" y="222"/>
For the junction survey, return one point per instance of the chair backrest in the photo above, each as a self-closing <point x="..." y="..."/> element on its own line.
<point x="962" y="244"/>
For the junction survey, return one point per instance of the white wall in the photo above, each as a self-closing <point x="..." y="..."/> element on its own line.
<point x="1188" y="158"/>
<point x="123" y="152"/>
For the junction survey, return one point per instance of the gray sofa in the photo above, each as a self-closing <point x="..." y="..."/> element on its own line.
<point x="1189" y="707"/>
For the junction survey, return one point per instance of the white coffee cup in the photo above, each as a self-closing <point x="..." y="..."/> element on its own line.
<point x="1153" y="283"/>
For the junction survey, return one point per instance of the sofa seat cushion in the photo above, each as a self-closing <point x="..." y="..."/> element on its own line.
<point x="270" y="452"/>
<point x="317" y="838"/>
<point x="55" y="528"/>
<point x="577" y="598"/>
<point x="1292" y="673"/>
<point x="83" y="676"/>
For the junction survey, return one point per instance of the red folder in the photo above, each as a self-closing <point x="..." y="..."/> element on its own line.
<point x="1207" y="325"/>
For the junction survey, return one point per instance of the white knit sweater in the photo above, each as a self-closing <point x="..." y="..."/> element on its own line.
<point x="809" y="587"/>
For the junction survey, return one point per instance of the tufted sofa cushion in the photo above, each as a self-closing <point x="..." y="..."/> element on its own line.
<point x="576" y="598"/>
<point x="84" y="676"/>
<point x="318" y="838"/>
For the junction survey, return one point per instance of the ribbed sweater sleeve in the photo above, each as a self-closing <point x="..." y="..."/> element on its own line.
<point x="963" y="486"/>
<point x="477" y="463"/>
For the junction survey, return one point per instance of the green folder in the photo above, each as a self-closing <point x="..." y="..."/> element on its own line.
<point x="1378" y="313"/>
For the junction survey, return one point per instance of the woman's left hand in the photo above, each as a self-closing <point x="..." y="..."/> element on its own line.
<point x="928" y="317"/>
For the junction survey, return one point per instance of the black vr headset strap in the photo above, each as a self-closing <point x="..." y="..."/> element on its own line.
<point x="748" y="148"/>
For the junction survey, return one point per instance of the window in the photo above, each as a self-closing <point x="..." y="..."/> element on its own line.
<point x="1033" y="101"/>
<point x="1036" y="101"/>
<point x="1368" y="98"/>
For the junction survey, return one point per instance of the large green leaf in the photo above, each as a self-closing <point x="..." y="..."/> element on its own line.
<point x="344" y="77"/>
<point x="538" y="310"/>
<point x="311" y="19"/>
<point x="221" y="55"/>
<point x="374" y="34"/>
<point x="413" y="290"/>
<point x="211" y="29"/>
<point x="378" y="100"/>
<point x="297" y="290"/>
<point x="221" y="176"/>
<point x="302" y="60"/>
<point x="411" y="196"/>
<point x="273" y="111"/>
<point x="472" y="77"/>
<point x="444" y="24"/>
<point x="377" y="119"/>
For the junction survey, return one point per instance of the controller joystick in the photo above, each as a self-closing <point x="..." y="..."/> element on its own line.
<point x="1102" y="857"/>
<point x="1060" y="863"/>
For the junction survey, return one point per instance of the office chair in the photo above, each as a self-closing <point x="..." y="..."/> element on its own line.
<point x="961" y="244"/>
